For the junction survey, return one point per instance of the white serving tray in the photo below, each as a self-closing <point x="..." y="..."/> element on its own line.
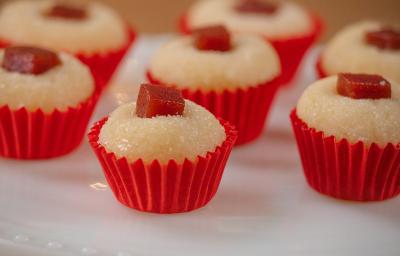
<point x="263" y="207"/>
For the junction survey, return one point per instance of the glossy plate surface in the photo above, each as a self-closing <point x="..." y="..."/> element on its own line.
<point x="263" y="207"/>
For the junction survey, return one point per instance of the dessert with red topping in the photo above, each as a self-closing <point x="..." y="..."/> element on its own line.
<point x="347" y="128"/>
<point x="48" y="95"/>
<point x="36" y="78"/>
<point x="366" y="47"/>
<point x="93" y="32"/>
<point x="290" y="28"/>
<point x="275" y="20"/>
<point x="169" y="145"/>
<point x="225" y="72"/>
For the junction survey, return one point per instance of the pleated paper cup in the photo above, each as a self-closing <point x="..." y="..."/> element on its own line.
<point x="38" y="135"/>
<point x="164" y="188"/>
<point x="340" y="169"/>
<point x="291" y="51"/>
<point x="246" y="109"/>
<point x="102" y="65"/>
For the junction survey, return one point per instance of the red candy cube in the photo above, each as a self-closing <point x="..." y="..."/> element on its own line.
<point x="386" y="38"/>
<point x="156" y="100"/>
<point x="29" y="60"/>
<point x="361" y="86"/>
<point x="213" y="38"/>
<point x="256" y="7"/>
<point x="67" y="12"/>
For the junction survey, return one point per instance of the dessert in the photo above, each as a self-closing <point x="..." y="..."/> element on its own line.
<point x="287" y="26"/>
<point x="347" y="129"/>
<point x="92" y="32"/>
<point x="46" y="100"/>
<point x="234" y="76"/>
<point x="170" y="161"/>
<point x="365" y="47"/>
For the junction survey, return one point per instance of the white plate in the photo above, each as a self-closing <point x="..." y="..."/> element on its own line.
<point x="263" y="206"/>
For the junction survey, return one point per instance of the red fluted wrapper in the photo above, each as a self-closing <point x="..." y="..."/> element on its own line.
<point x="37" y="135"/>
<point x="319" y="69"/>
<point x="169" y="188"/>
<point x="291" y="50"/>
<point x="246" y="109"/>
<point x="102" y="65"/>
<point x="342" y="170"/>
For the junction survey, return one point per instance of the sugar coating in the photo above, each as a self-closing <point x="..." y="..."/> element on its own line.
<point x="290" y="19"/>
<point x="164" y="138"/>
<point x="63" y="86"/>
<point x="23" y="22"/>
<point x="251" y="61"/>
<point x="348" y="52"/>
<point x="367" y="120"/>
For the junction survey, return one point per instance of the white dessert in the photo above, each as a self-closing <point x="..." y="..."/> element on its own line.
<point x="290" y="20"/>
<point x="24" y="22"/>
<point x="66" y="85"/>
<point x="161" y="138"/>
<point x="251" y="61"/>
<point x="349" y="52"/>
<point x="366" y="120"/>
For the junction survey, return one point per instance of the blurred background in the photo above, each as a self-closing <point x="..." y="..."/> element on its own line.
<point x="157" y="16"/>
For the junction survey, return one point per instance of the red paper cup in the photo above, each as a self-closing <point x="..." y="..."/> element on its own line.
<point x="342" y="170"/>
<point x="170" y="188"/>
<point x="291" y="51"/>
<point x="246" y="109"/>
<point x="102" y="65"/>
<point x="319" y="68"/>
<point x="36" y="135"/>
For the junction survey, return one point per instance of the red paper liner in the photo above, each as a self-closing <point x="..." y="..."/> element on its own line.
<point x="291" y="51"/>
<point x="102" y="65"/>
<point x="319" y="69"/>
<point x="37" y="135"/>
<point x="246" y="109"/>
<point x="339" y="169"/>
<point x="169" y="188"/>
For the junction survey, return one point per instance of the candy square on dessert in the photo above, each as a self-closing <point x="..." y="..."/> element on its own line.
<point x="155" y="100"/>
<point x="29" y="60"/>
<point x="213" y="38"/>
<point x="363" y="86"/>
